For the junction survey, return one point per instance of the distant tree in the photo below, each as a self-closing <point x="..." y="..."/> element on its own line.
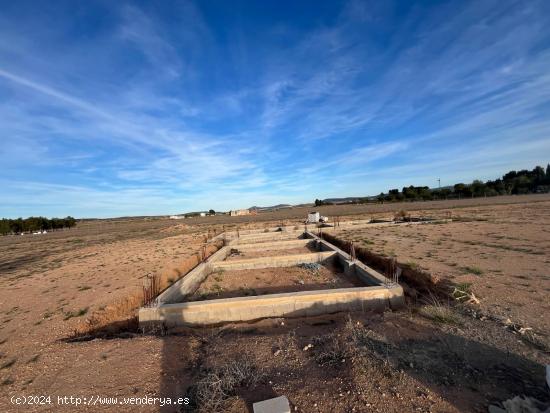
<point x="424" y="193"/>
<point x="459" y="189"/>
<point x="509" y="176"/>
<point x="478" y="188"/>
<point x="33" y="224"/>
<point x="69" y="222"/>
<point x="5" y="227"/>
<point x="212" y="212"/>
<point x="410" y="193"/>
<point x="540" y="175"/>
<point x="521" y="184"/>
<point x="442" y="193"/>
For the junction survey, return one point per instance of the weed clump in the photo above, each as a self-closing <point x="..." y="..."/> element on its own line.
<point x="7" y="364"/>
<point x="216" y="385"/>
<point x="78" y="313"/>
<point x="439" y="314"/>
<point x="329" y="350"/>
<point x="473" y="270"/>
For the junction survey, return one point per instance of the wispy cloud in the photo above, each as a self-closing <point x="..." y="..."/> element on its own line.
<point x="182" y="106"/>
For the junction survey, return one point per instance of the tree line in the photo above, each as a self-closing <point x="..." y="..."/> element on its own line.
<point x="33" y="224"/>
<point x="525" y="181"/>
<point x="512" y="183"/>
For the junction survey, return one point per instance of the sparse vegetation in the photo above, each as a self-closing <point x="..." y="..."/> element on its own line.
<point x="328" y="350"/>
<point x="214" y="386"/>
<point x="33" y="359"/>
<point x="217" y="289"/>
<point x="472" y="270"/>
<point x="7" y="364"/>
<point x="78" y="313"/>
<point x="413" y="265"/>
<point x="436" y="311"/>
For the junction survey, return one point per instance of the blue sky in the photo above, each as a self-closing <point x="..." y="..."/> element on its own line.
<point x="112" y="108"/>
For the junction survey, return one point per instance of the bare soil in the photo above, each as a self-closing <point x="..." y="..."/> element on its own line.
<point x="239" y="283"/>
<point x="404" y="361"/>
<point x="502" y="254"/>
<point x="391" y="362"/>
<point x="50" y="283"/>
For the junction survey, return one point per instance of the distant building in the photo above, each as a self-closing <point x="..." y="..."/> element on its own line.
<point x="203" y="214"/>
<point x="313" y="217"/>
<point x="239" y="212"/>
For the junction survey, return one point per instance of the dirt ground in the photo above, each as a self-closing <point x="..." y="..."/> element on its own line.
<point x="391" y="362"/>
<point x="502" y="254"/>
<point x="409" y="360"/>
<point x="51" y="283"/>
<point x="238" y="283"/>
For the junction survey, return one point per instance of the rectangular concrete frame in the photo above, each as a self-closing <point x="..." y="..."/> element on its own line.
<point x="171" y="312"/>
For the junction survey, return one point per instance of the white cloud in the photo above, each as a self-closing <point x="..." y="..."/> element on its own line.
<point x="146" y="110"/>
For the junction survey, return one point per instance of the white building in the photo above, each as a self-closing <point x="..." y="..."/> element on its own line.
<point x="238" y="212"/>
<point x="203" y="214"/>
<point x="313" y="217"/>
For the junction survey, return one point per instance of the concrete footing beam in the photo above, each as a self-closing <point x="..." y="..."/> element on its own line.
<point x="298" y="304"/>
<point x="275" y="245"/>
<point x="271" y="262"/>
<point x="267" y="237"/>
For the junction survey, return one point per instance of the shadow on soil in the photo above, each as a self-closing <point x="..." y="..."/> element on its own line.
<point x="468" y="374"/>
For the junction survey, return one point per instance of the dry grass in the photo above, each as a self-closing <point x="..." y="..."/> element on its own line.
<point x="473" y="270"/>
<point x="216" y="385"/>
<point x="436" y="311"/>
<point x="7" y="364"/>
<point x="329" y="350"/>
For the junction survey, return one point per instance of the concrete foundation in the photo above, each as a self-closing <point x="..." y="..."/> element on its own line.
<point x="171" y="310"/>
<point x="301" y="304"/>
<point x="275" y="245"/>
<point x="268" y="262"/>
